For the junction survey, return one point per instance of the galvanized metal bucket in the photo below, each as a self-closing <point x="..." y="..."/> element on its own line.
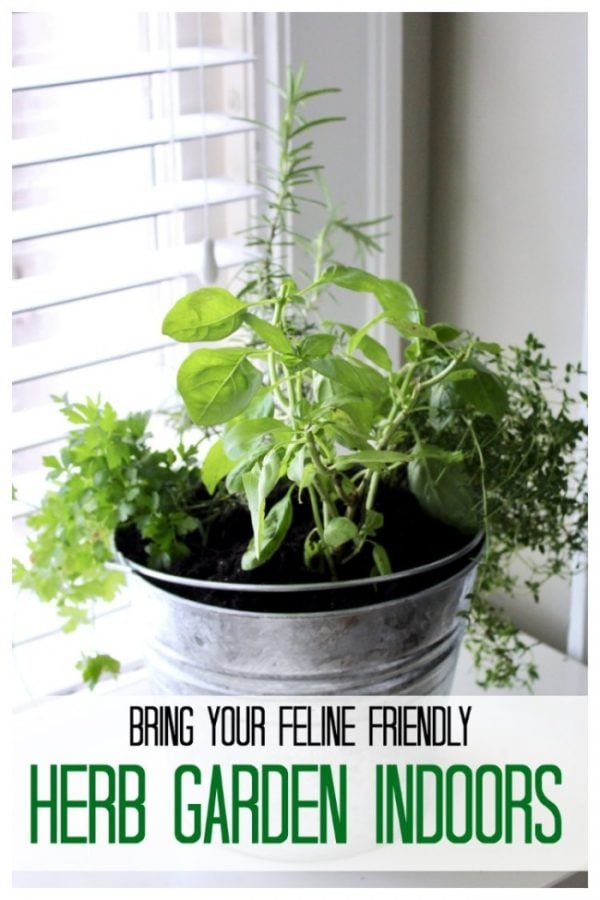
<point x="403" y="639"/>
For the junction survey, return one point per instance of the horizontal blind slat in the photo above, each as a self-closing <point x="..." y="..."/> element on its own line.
<point x="151" y="133"/>
<point x="44" y="424"/>
<point x="37" y="292"/>
<point x="51" y="219"/>
<point x="26" y="77"/>
<point x="42" y="358"/>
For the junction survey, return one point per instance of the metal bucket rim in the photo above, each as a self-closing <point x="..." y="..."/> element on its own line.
<point x="340" y="585"/>
<point x="296" y="587"/>
<point x="341" y="611"/>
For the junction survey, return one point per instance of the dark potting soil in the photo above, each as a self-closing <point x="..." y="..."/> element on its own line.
<point x="411" y="537"/>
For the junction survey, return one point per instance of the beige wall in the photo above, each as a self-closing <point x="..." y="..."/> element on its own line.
<point x="507" y="216"/>
<point x="416" y="98"/>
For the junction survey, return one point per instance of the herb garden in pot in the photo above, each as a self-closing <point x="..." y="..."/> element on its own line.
<point x="350" y="518"/>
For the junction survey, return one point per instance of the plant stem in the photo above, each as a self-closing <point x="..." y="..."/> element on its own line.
<point x="325" y="474"/>
<point x="314" y="503"/>
<point x="399" y="411"/>
<point x="435" y="379"/>
<point x="287" y="403"/>
<point x="314" y="455"/>
<point x="372" y="492"/>
<point x="283" y="195"/>
<point x="483" y="483"/>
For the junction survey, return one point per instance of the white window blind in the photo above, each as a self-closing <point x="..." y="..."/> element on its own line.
<point x="130" y="151"/>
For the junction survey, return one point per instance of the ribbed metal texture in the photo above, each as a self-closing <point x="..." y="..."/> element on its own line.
<point x="407" y="645"/>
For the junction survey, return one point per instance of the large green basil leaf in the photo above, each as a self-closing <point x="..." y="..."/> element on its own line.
<point x="241" y="437"/>
<point x="381" y="560"/>
<point x="339" y="531"/>
<point x="376" y="352"/>
<point x="216" y="466"/>
<point x="444" y="492"/>
<point x="361" y="412"/>
<point x="396" y="298"/>
<point x="256" y="504"/>
<point x="208" y="314"/>
<point x="371" y="459"/>
<point x="485" y="391"/>
<point x="276" y="525"/>
<point x="216" y="385"/>
<point x="360" y="379"/>
<point x="372" y="349"/>
<point x="233" y="481"/>
<point x="314" y="345"/>
<point x="258" y="484"/>
<point x="270" y="334"/>
<point x="468" y="385"/>
<point x="261" y="404"/>
<point x="431" y="451"/>
<point x="446" y="333"/>
<point x="444" y="405"/>
<point x="344" y="430"/>
<point x="411" y="330"/>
